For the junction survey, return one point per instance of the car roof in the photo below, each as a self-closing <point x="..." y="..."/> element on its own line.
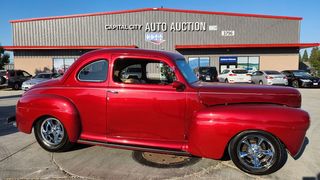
<point x="135" y="51"/>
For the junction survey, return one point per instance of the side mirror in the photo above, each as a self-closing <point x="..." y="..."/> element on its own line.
<point x="178" y="86"/>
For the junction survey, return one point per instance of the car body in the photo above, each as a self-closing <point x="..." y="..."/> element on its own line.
<point x="207" y="73"/>
<point x="15" y="78"/>
<point x="41" y="77"/>
<point x="269" y="77"/>
<point x="301" y="78"/>
<point x="237" y="75"/>
<point x="171" y="112"/>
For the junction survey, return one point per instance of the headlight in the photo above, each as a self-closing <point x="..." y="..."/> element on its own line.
<point x="306" y="80"/>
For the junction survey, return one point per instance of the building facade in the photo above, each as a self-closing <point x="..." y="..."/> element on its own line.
<point x="223" y="40"/>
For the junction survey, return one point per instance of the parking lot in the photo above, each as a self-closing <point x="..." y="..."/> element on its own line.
<point x="21" y="157"/>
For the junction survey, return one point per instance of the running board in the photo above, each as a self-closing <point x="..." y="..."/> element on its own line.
<point x="138" y="148"/>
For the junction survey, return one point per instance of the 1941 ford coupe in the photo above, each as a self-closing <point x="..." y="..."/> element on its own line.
<point x="165" y="109"/>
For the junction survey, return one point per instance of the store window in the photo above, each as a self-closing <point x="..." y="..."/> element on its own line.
<point x="250" y="63"/>
<point x="60" y="65"/>
<point x="196" y="62"/>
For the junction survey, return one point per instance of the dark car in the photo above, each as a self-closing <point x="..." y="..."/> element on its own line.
<point x="300" y="78"/>
<point x="207" y="74"/>
<point x="15" y="78"/>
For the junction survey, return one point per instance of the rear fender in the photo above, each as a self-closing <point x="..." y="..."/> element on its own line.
<point x="33" y="107"/>
<point x="213" y="128"/>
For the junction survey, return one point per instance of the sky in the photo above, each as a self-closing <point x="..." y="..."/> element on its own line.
<point x="21" y="9"/>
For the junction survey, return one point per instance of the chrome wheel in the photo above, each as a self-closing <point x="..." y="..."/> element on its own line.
<point x="52" y="131"/>
<point x="256" y="152"/>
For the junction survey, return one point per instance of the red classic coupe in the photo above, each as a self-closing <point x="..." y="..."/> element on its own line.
<point x="165" y="109"/>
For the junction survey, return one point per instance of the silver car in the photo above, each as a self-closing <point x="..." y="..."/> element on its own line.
<point x="269" y="77"/>
<point x="41" y="77"/>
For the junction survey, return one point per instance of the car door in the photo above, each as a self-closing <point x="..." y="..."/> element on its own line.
<point x="144" y="109"/>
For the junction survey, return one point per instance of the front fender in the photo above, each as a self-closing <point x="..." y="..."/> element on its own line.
<point x="32" y="107"/>
<point x="213" y="127"/>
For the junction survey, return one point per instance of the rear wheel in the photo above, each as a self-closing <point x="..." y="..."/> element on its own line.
<point x="257" y="153"/>
<point x="16" y="86"/>
<point x="261" y="82"/>
<point x="226" y="81"/>
<point x="52" y="135"/>
<point x="295" y="84"/>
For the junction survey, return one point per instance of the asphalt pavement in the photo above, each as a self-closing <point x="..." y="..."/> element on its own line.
<point x="22" y="158"/>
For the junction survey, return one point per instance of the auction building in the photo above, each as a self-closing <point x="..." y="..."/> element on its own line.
<point x="223" y="40"/>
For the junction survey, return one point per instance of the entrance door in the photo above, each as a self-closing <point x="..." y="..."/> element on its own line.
<point x="143" y="104"/>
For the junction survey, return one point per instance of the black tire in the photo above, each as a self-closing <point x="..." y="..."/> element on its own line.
<point x="295" y="84"/>
<point x="261" y="82"/>
<point x="226" y="81"/>
<point x="63" y="145"/>
<point x="269" y="145"/>
<point x="16" y="86"/>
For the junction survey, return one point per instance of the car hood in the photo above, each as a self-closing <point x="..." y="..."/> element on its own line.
<point x="221" y="93"/>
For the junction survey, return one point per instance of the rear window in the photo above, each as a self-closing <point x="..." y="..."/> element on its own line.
<point x="240" y="71"/>
<point x="272" y="72"/>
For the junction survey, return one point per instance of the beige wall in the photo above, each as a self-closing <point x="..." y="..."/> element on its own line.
<point x="279" y="62"/>
<point x="32" y="64"/>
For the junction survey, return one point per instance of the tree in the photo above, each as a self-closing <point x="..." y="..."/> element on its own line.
<point x="4" y="58"/>
<point x="315" y="59"/>
<point x="305" y="56"/>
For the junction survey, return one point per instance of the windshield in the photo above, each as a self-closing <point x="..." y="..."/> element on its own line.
<point x="301" y="73"/>
<point x="240" y="71"/>
<point x="186" y="71"/>
<point x="45" y="76"/>
<point x="272" y="72"/>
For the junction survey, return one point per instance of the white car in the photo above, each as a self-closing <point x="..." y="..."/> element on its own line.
<point x="269" y="77"/>
<point x="235" y="76"/>
<point x="38" y="79"/>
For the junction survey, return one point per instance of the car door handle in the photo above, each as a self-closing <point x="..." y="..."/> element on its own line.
<point x="113" y="92"/>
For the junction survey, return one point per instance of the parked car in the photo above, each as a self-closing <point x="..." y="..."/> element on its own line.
<point x="207" y="73"/>
<point x="300" y="78"/>
<point x="175" y="114"/>
<point x="15" y="78"/>
<point x="237" y="75"/>
<point x="3" y="78"/>
<point x="269" y="77"/>
<point x="41" y="77"/>
<point x="131" y="72"/>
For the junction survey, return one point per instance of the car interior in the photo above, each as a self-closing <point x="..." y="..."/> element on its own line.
<point x="145" y="72"/>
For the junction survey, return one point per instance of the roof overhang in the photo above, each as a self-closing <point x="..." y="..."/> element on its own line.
<point x="15" y="48"/>
<point x="160" y="9"/>
<point x="234" y="46"/>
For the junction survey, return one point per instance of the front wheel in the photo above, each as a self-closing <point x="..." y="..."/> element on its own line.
<point x="257" y="153"/>
<point x="295" y="84"/>
<point x="52" y="135"/>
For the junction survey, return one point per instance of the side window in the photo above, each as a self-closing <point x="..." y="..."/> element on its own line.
<point x="25" y="74"/>
<point x="142" y="71"/>
<point x="94" y="72"/>
<point x="19" y="74"/>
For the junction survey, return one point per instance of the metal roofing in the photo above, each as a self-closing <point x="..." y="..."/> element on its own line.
<point x="160" y="9"/>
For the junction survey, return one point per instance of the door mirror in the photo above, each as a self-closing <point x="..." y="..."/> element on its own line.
<point x="179" y="86"/>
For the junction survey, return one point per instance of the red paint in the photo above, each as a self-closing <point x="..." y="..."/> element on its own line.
<point x="217" y="46"/>
<point x="159" y="9"/>
<point x="10" y="48"/>
<point x="201" y="120"/>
